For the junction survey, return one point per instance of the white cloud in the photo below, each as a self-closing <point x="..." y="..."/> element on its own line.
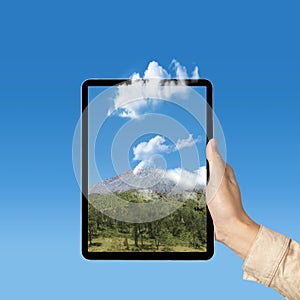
<point x="149" y="163"/>
<point x="145" y="151"/>
<point x="132" y="99"/>
<point x="188" y="142"/>
<point x="135" y="76"/>
<point x="154" y="70"/>
<point x="180" y="70"/>
<point x="128" y="113"/>
<point x="131" y="110"/>
<point x="195" y="74"/>
<point x="201" y="176"/>
<point x="186" y="179"/>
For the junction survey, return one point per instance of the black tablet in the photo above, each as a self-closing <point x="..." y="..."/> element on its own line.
<point x="144" y="169"/>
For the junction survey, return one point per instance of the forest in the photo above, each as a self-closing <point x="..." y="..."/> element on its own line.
<point x="184" y="230"/>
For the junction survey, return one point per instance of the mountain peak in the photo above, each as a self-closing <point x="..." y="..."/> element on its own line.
<point x="156" y="180"/>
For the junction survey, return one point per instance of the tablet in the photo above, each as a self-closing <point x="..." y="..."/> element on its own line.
<point x="144" y="169"/>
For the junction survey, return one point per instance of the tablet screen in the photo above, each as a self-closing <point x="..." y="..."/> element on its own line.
<point x="144" y="169"/>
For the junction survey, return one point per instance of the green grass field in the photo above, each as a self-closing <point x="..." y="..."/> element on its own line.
<point x="117" y="245"/>
<point x="182" y="231"/>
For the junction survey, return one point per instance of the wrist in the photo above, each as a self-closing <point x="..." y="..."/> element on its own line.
<point x="240" y="235"/>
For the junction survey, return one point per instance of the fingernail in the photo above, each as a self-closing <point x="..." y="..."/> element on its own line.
<point x="214" y="145"/>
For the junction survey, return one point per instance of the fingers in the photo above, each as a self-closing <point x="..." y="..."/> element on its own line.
<point x="230" y="174"/>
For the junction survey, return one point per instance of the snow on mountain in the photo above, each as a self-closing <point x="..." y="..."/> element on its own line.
<point x="149" y="180"/>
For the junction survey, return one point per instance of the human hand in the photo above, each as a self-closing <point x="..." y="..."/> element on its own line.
<point x="232" y="225"/>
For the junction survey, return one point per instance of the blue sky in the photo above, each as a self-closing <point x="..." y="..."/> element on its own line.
<point x="251" y="53"/>
<point x="150" y="132"/>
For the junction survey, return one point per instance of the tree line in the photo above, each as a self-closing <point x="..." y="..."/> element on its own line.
<point x="185" y="226"/>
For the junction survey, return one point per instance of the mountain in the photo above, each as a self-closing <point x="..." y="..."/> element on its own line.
<point x="148" y="181"/>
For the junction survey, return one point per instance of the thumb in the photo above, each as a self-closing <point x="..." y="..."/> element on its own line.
<point x="212" y="153"/>
<point x="216" y="168"/>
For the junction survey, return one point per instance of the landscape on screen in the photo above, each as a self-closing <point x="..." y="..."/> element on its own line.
<point x="167" y="166"/>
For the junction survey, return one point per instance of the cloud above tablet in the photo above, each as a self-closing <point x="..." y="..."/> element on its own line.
<point x="132" y="100"/>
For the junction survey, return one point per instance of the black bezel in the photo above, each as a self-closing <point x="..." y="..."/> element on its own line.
<point x="84" y="182"/>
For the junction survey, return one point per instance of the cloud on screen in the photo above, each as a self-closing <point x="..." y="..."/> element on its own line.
<point x="146" y="151"/>
<point x="186" y="179"/>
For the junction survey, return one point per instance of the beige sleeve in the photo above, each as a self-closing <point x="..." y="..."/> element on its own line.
<point x="274" y="260"/>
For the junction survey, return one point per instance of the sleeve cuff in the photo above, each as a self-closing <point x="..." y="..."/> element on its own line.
<point x="265" y="255"/>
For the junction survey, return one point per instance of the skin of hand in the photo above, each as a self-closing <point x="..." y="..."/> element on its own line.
<point x="232" y="225"/>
